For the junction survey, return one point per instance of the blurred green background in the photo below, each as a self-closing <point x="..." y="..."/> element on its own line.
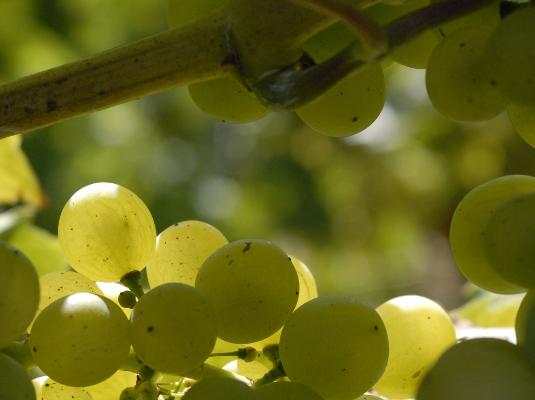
<point x="368" y="214"/>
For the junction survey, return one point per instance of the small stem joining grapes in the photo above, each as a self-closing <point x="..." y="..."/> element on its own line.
<point x="132" y="281"/>
<point x="271" y="376"/>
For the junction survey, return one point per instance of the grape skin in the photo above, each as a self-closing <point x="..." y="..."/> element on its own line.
<point x="219" y="389"/>
<point x="467" y="226"/>
<point x="106" y="231"/>
<point x="19" y="293"/>
<point x="80" y="340"/>
<point x="523" y="119"/>
<point x="173" y="328"/>
<point x="51" y="390"/>
<point x="508" y="237"/>
<point x="286" y="391"/>
<point x="513" y="53"/>
<point x="111" y="388"/>
<point x="252" y="286"/>
<point x="349" y="106"/>
<point x="180" y="251"/>
<point x="458" y="80"/>
<point x="335" y="345"/>
<point x="419" y="331"/>
<point x="489" y="369"/>
<point x="15" y="384"/>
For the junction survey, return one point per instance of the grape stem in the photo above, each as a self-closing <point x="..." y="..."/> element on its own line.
<point x="132" y="281"/>
<point x="274" y="374"/>
<point x="194" y="53"/>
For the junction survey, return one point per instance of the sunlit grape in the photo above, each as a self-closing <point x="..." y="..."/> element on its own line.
<point x="180" y="251"/>
<point x="252" y="286"/>
<point x="80" y="340"/>
<point x="219" y="389"/>
<point x="335" y="345"/>
<point x="286" y="391"/>
<point x="173" y="328"/>
<point x="419" y="331"/>
<point x="106" y="231"/>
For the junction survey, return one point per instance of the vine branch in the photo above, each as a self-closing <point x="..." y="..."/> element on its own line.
<point x="194" y="53"/>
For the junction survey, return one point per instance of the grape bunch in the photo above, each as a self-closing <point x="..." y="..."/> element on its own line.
<point x="188" y="314"/>
<point x="477" y="66"/>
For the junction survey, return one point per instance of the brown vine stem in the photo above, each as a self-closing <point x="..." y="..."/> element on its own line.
<point x="191" y="54"/>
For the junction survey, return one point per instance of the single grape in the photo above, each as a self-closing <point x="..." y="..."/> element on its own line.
<point x="227" y="99"/>
<point x="173" y="328"/>
<point x="489" y="369"/>
<point x="458" y="80"/>
<point x="15" y="384"/>
<point x="508" y="237"/>
<point x="286" y="391"/>
<point x="513" y="62"/>
<point x="252" y="286"/>
<point x="335" y="345"/>
<point x="180" y="251"/>
<point x="106" y="231"/>
<point x="80" y="339"/>
<point x="111" y="388"/>
<point x="349" y="106"/>
<point x="419" y="331"/>
<point x="56" y="285"/>
<point x="219" y="389"/>
<point x="468" y="223"/>
<point x="183" y="12"/>
<point x="51" y="390"/>
<point x="523" y="119"/>
<point x="19" y="293"/>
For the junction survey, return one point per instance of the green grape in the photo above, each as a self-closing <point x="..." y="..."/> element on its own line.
<point x="328" y="42"/>
<point x="15" y="384"/>
<point x="286" y="391"/>
<point x="56" y="285"/>
<point x="513" y="54"/>
<point x="348" y="107"/>
<point x="253" y="287"/>
<point x="111" y="388"/>
<point x="467" y="227"/>
<point x="525" y="309"/>
<point x="219" y="389"/>
<point x="523" y="119"/>
<point x="227" y="99"/>
<point x="489" y="369"/>
<point x="180" y="251"/>
<point x="508" y="237"/>
<point x="335" y="345"/>
<point x="173" y="328"/>
<point x="19" y="293"/>
<point x="41" y="248"/>
<point x="51" y="390"/>
<point x="80" y="339"/>
<point x="419" y="331"/>
<point x="458" y="80"/>
<point x="106" y="231"/>
<point x="183" y="12"/>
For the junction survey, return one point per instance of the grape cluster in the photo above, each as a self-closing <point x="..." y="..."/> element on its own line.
<point x="198" y="317"/>
<point x="477" y="66"/>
